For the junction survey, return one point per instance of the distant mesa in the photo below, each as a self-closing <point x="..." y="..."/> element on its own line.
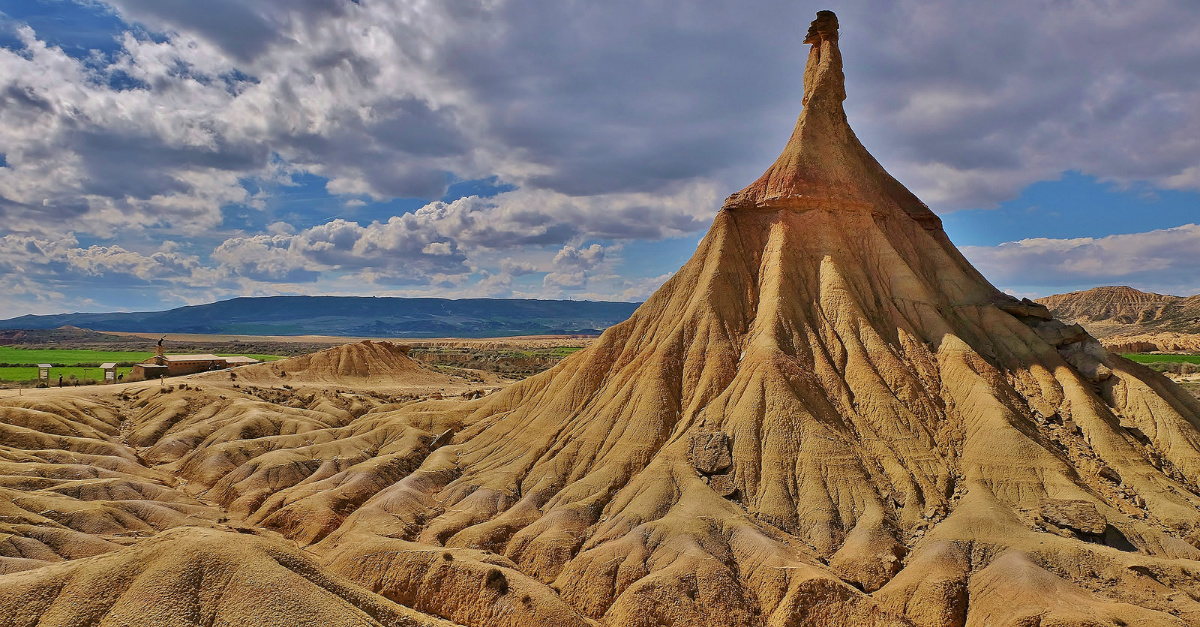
<point x="354" y="317"/>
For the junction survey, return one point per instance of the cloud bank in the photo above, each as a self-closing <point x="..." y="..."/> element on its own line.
<point x="1164" y="260"/>
<point x="607" y="124"/>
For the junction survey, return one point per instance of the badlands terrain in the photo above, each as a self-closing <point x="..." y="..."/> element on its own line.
<point x="826" y="417"/>
<point x="1132" y="321"/>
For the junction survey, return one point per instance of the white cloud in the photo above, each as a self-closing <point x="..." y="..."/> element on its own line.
<point x="61" y="264"/>
<point x="620" y="122"/>
<point x="1165" y="260"/>
<point x="977" y="101"/>
<point x="438" y="248"/>
<point x="385" y="98"/>
<point x="265" y="258"/>
<point x="448" y="240"/>
<point x="573" y="267"/>
<point x="641" y="289"/>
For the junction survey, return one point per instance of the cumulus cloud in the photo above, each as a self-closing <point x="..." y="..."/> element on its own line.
<point x="448" y="240"/>
<point x="641" y="289"/>
<point x="611" y="123"/>
<point x="574" y="266"/>
<point x="1166" y="260"/>
<point x="62" y="263"/>
<point x="979" y="101"/>
<point x="516" y="268"/>
<point x="268" y="258"/>
<point x="967" y="103"/>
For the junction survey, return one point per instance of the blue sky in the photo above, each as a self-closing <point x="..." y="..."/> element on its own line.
<point x="155" y="153"/>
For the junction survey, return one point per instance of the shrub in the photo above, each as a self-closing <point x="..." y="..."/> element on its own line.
<point x="496" y="581"/>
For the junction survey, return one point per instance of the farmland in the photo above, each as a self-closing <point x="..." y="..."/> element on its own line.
<point x="20" y="364"/>
<point x="67" y="357"/>
<point x="82" y="373"/>
<point x="1156" y="358"/>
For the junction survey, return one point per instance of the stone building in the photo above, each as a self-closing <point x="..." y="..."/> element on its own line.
<point x="177" y="365"/>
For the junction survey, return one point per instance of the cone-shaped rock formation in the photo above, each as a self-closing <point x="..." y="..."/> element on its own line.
<point x="827" y="417"/>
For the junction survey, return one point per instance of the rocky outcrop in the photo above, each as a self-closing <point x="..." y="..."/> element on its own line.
<point x="1077" y="515"/>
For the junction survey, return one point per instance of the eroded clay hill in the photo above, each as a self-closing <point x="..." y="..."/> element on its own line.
<point x="1123" y="310"/>
<point x="1129" y="320"/>
<point x="826" y="418"/>
<point x="361" y="363"/>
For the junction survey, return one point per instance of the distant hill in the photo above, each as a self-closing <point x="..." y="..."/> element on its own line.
<point x="355" y="316"/>
<point x="1120" y="310"/>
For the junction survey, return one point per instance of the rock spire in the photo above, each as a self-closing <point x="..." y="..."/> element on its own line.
<point x="824" y="166"/>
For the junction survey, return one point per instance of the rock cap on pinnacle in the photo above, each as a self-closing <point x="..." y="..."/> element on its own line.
<point x="824" y="166"/>
<point x="822" y="28"/>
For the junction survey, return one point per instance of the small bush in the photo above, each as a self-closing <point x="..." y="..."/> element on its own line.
<point x="496" y="581"/>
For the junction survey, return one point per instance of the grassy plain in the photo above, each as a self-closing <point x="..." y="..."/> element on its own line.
<point x="1146" y="358"/>
<point x="75" y="357"/>
<point x="30" y="373"/>
<point x="79" y="363"/>
<point x="509" y="357"/>
<point x="67" y="357"/>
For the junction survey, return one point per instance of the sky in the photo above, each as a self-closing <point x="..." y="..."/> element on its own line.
<point x="157" y="153"/>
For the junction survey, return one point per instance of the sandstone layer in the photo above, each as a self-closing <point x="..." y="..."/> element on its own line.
<point x="827" y="417"/>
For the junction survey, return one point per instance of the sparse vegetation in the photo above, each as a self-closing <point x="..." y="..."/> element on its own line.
<point x="1192" y="386"/>
<point x="508" y="362"/>
<point x="18" y="356"/>
<point x="19" y="364"/>
<point x="1167" y="363"/>
<point x="496" y="581"/>
<point x="82" y="373"/>
<point x="1154" y="358"/>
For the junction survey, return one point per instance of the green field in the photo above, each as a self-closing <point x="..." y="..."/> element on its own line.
<point x="67" y="357"/>
<point x="30" y="373"/>
<point x="74" y="357"/>
<point x="1158" y="359"/>
<point x="66" y="362"/>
